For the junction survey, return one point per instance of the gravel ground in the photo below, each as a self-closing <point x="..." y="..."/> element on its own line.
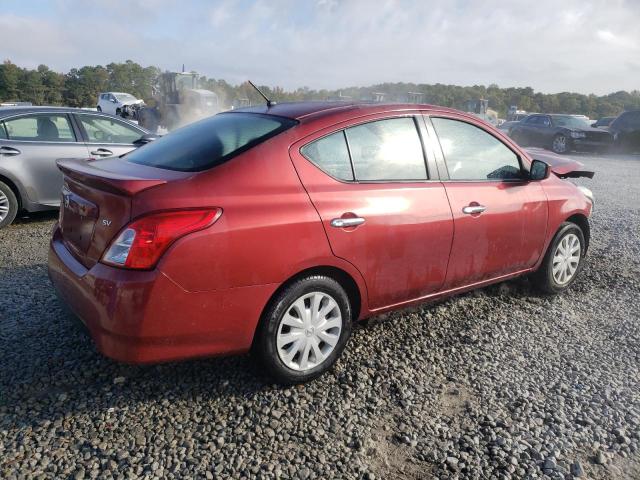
<point x="499" y="383"/>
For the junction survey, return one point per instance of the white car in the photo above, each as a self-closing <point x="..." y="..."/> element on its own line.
<point x="112" y="102"/>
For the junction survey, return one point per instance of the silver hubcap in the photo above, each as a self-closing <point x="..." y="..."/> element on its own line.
<point x="566" y="259"/>
<point x="4" y="206"/>
<point x="309" y="331"/>
<point x="559" y="144"/>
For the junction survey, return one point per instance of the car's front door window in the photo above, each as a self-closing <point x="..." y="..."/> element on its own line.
<point x="106" y="130"/>
<point x="470" y="153"/>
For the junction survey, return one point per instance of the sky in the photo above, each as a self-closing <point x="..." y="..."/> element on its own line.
<point x="585" y="46"/>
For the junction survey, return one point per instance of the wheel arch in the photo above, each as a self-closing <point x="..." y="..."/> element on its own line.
<point x="341" y="276"/>
<point x="583" y="223"/>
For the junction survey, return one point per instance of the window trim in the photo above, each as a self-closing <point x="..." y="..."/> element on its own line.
<point x="73" y="129"/>
<point x="344" y="128"/>
<point x="85" y="135"/>
<point x="444" y="175"/>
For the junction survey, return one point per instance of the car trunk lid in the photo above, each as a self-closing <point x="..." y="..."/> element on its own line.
<point x="96" y="201"/>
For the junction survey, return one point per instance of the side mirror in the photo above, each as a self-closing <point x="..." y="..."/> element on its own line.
<point x="146" y="138"/>
<point x="539" y="170"/>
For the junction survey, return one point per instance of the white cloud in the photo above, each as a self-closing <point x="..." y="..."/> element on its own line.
<point x="577" y="45"/>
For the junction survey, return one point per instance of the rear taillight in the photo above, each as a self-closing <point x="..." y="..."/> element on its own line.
<point x="141" y="243"/>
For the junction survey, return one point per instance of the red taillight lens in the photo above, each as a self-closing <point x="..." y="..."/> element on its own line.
<point x="141" y="244"/>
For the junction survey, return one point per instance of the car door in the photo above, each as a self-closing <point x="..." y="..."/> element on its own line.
<point x="545" y="131"/>
<point x="382" y="210"/>
<point x="500" y="218"/>
<point x="107" y="136"/>
<point x="34" y="142"/>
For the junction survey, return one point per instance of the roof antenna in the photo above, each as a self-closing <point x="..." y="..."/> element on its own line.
<point x="269" y="102"/>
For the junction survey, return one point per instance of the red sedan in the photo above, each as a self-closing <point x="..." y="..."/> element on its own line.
<point x="274" y="228"/>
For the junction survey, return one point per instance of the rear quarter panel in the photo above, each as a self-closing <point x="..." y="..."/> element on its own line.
<point x="268" y="232"/>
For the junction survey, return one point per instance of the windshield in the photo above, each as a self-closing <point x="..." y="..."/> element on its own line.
<point x="125" y="97"/>
<point x="569" y="122"/>
<point x="209" y="142"/>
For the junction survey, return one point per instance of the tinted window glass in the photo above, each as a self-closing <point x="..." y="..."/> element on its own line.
<point x="387" y="150"/>
<point x="532" y="120"/>
<point x="473" y="154"/>
<point x="209" y="142"/>
<point x="3" y="132"/>
<point x="331" y="155"/>
<point x="106" y="130"/>
<point x="43" y="128"/>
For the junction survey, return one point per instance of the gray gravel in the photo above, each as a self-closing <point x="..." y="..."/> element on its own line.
<point x="496" y="383"/>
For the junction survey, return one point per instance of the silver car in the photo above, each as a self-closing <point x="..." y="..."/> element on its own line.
<point x="33" y="138"/>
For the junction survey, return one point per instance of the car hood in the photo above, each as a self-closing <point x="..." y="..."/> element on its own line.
<point x="131" y="102"/>
<point x="563" y="167"/>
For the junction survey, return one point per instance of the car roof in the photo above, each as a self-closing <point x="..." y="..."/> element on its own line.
<point x="6" y="111"/>
<point x="303" y="111"/>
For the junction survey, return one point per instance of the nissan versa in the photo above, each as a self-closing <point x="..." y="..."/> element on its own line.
<point x="274" y="228"/>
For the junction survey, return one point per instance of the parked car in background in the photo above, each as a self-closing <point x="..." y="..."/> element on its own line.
<point x="625" y="130"/>
<point x="560" y="133"/>
<point x="33" y="138"/>
<point x="603" y="122"/>
<point x="507" y="126"/>
<point x="274" y="228"/>
<point x="114" y="102"/>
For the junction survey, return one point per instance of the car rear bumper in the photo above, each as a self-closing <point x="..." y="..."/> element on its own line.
<point x="145" y="317"/>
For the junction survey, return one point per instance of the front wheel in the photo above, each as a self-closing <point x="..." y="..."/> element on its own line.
<point x="563" y="260"/>
<point x="99" y="108"/>
<point x="560" y="144"/>
<point x="304" y="330"/>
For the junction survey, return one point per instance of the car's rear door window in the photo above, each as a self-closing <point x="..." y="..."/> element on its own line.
<point x="209" y="142"/>
<point x="471" y="153"/>
<point x="387" y="149"/>
<point x="40" y="128"/>
<point x="101" y="129"/>
<point x="331" y="155"/>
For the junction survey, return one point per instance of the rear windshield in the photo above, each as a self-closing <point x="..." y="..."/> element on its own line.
<point x="209" y="142"/>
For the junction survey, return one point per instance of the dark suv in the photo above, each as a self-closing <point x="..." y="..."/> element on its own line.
<point x="626" y="132"/>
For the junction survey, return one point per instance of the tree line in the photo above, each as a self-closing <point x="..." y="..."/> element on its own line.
<point x="80" y="87"/>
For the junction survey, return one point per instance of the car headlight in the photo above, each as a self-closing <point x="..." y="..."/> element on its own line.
<point x="587" y="193"/>
<point x="578" y="134"/>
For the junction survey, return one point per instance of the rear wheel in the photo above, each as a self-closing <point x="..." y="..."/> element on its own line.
<point x="563" y="260"/>
<point x="8" y="205"/>
<point x="304" y="330"/>
<point x="560" y="144"/>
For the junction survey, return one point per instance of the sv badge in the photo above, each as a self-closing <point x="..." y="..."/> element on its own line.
<point x="106" y="222"/>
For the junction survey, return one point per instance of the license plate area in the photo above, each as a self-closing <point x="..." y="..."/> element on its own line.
<point x="77" y="220"/>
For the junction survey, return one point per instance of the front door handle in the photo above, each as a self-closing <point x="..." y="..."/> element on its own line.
<point x="473" y="209"/>
<point x="9" y="151"/>
<point x="347" y="222"/>
<point x="102" y="152"/>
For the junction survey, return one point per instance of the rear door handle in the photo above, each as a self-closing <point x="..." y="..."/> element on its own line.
<point x="9" y="151"/>
<point x="102" y="152"/>
<point x="347" y="222"/>
<point x="471" y="209"/>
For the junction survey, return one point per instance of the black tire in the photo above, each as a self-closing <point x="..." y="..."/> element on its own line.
<point x="265" y="347"/>
<point x="11" y="202"/>
<point x="118" y="112"/>
<point x="556" y="149"/>
<point x="98" y="108"/>
<point x="543" y="278"/>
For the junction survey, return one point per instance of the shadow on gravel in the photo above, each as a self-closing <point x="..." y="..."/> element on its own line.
<point x="26" y="217"/>
<point x="50" y="367"/>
